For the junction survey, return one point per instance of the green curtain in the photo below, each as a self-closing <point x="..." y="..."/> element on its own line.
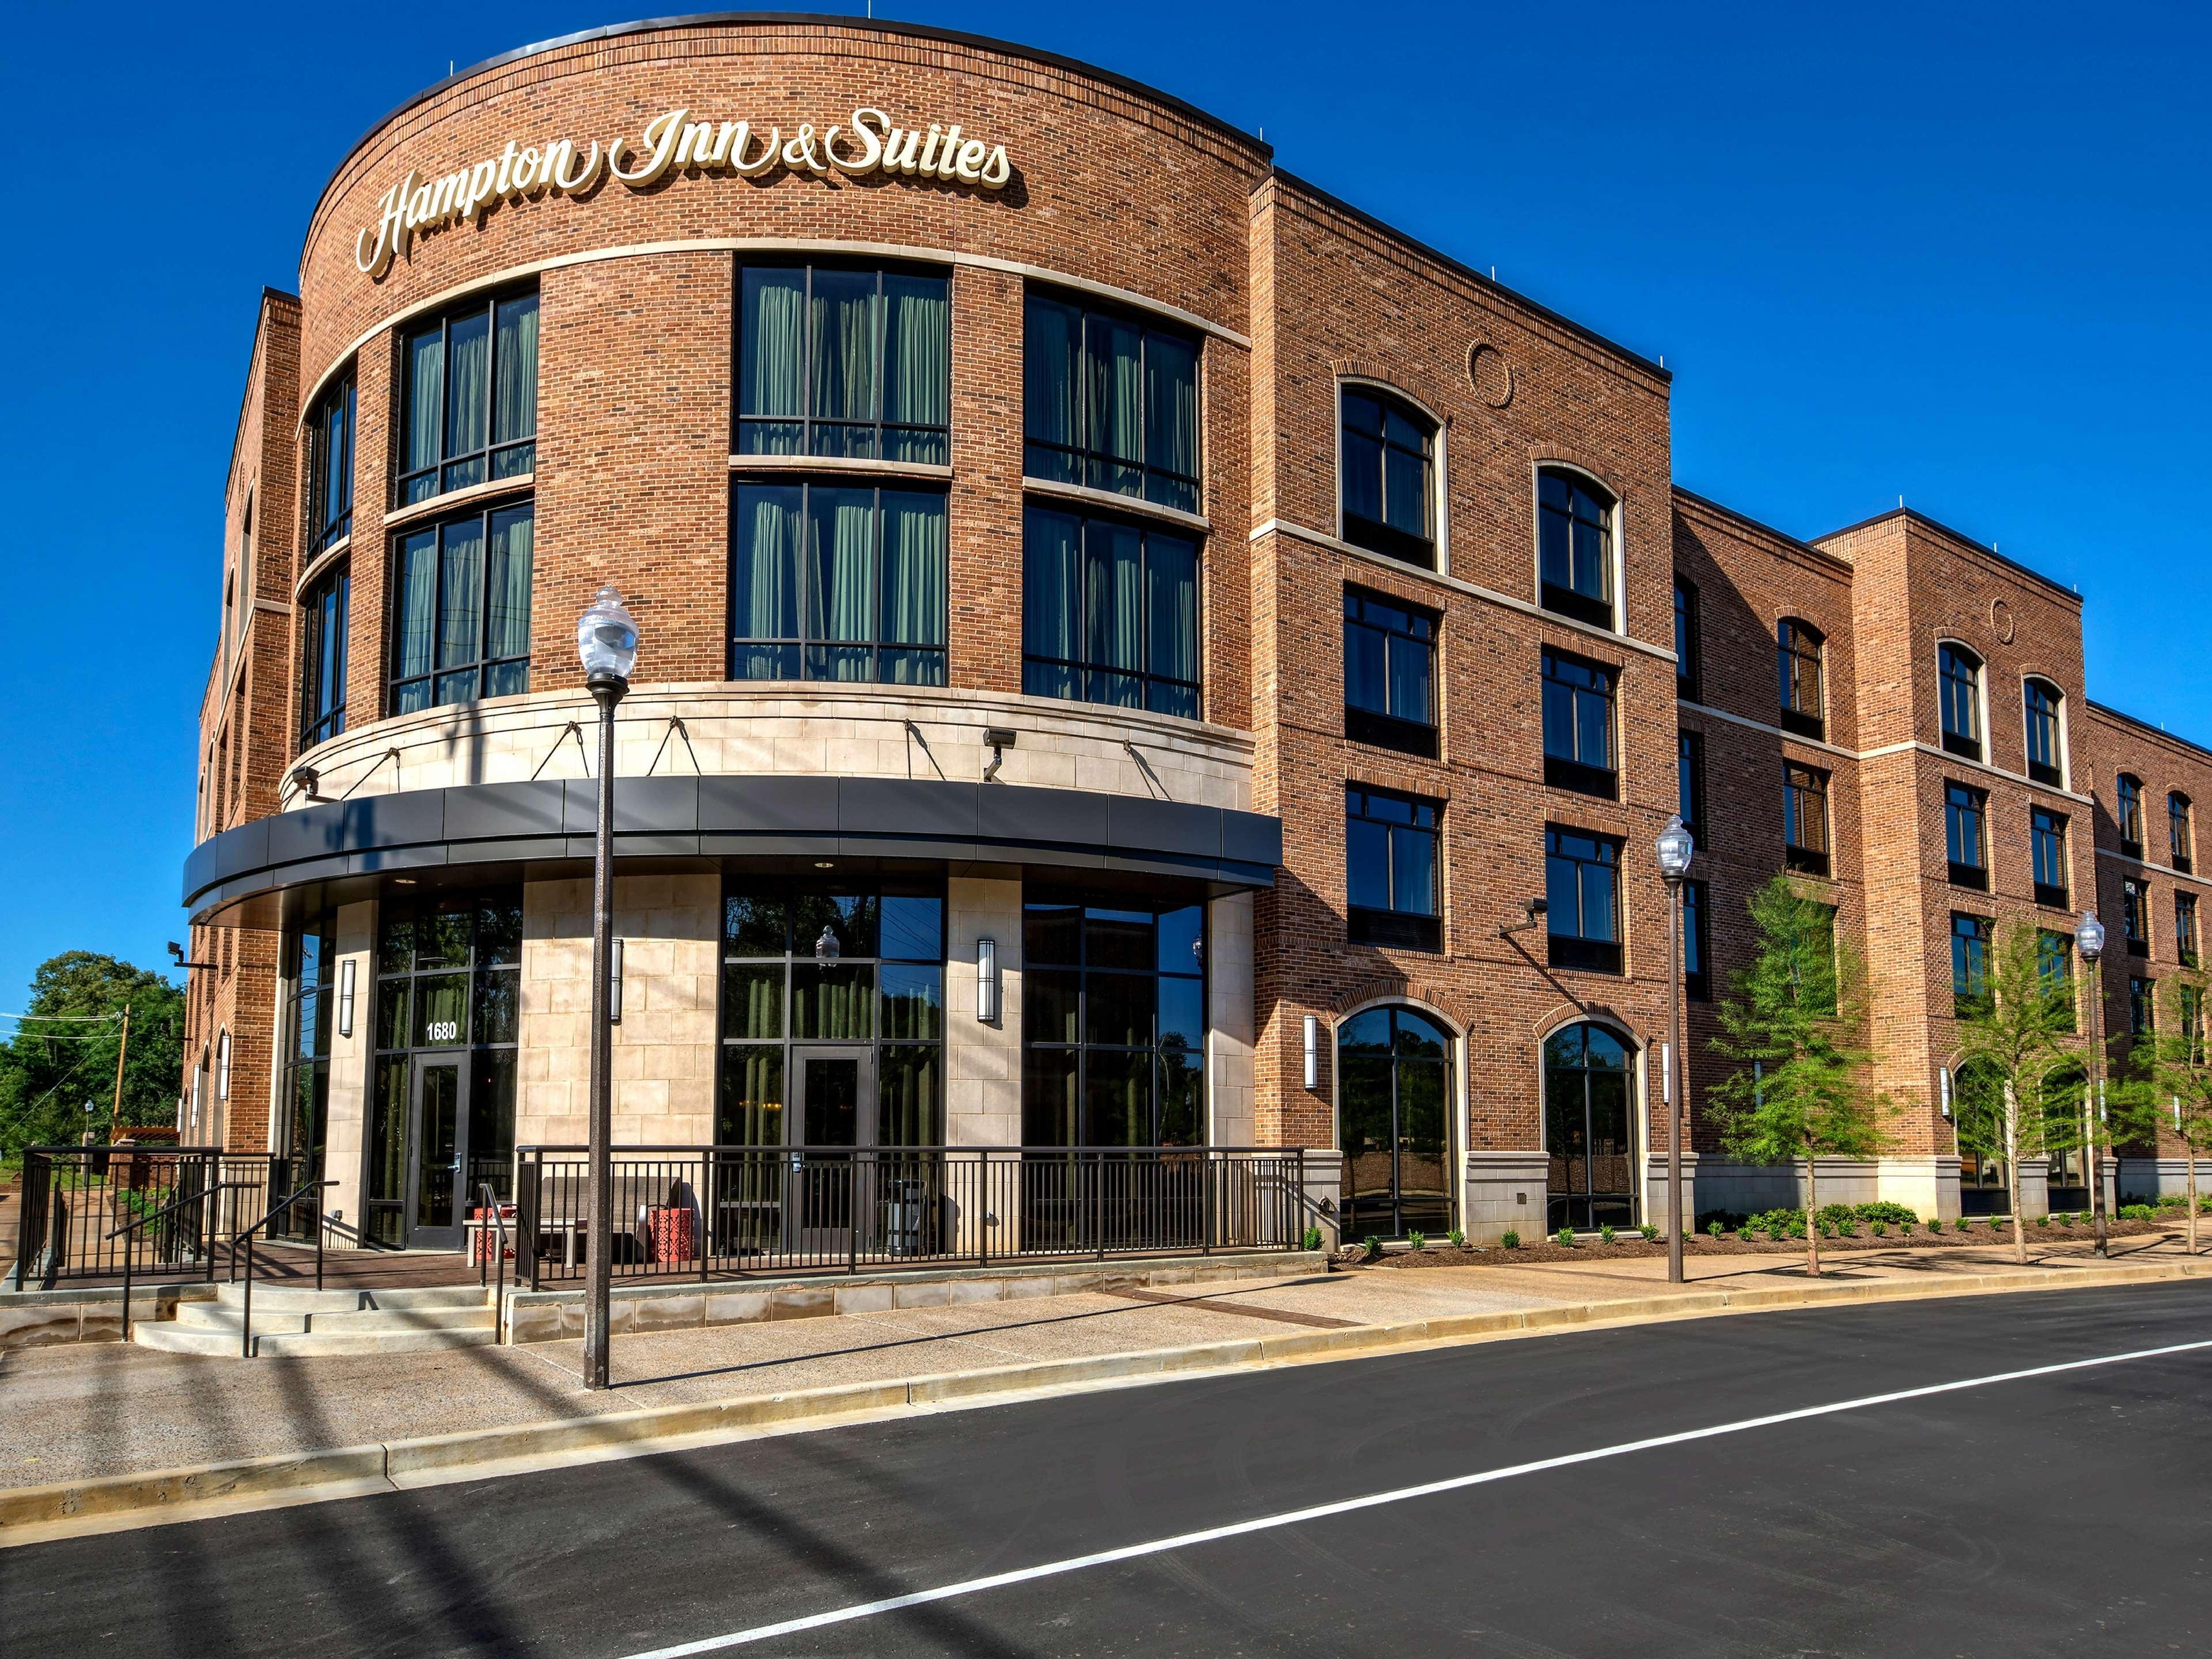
<point x="468" y="345"/>
<point x="917" y="366"/>
<point x="1172" y="406"/>
<point x="507" y="601"/>
<point x="833" y="1004"/>
<point x="426" y="398"/>
<point x="764" y="588"/>
<point x="1051" y="347"/>
<point x="840" y="576"/>
<point x="905" y="1109"/>
<point x="1116" y="354"/>
<point x="1051" y="555"/>
<point x="772" y="358"/>
<point x="1171" y="605"/>
<point x="1113" y="601"/>
<point x="460" y="593"/>
<point x="751" y="1112"/>
<point x="913" y="569"/>
<point x="514" y="398"/>
<point x="418" y="602"/>
<point x="844" y="325"/>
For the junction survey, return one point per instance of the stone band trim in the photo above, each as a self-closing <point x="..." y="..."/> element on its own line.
<point x="554" y="821"/>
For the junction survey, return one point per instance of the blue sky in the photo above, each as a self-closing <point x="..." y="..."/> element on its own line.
<point x="1956" y="253"/>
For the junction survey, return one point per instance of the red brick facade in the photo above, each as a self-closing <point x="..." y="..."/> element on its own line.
<point x="1293" y="295"/>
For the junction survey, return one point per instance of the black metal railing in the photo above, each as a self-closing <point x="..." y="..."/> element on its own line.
<point x="285" y="1205"/>
<point x="79" y="1205"/>
<point x="734" y="1212"/>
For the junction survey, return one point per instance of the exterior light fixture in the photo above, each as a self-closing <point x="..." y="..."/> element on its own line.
<point x="987" y="981"/>
<point x="614" y="987"/>
<point x="1313" y="1052"/>
<point x="1673" y="848"/>
<point x="1943" y="1075"/>
<point x="825" y="864"/>
<point x="307" y="777"/>
<point x="345" y="997"/>
<point x="825" y="948"/>
<point x="2089" y="941"/>
<point x="2089" y="937"/>
<point x="606" y="645"/>
<point x="1000" y="738"/>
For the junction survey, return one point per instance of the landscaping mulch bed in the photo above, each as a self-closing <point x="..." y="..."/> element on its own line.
<point x="1629" y="1247"/>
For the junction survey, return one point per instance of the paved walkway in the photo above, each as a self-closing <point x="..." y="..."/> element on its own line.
<point x="70" y="1412"/>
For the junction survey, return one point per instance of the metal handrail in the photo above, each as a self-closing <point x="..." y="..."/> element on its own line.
<point x="245" y="1314"/>
<point x="137" y="1222"/>
<point x="490" y="1201"/>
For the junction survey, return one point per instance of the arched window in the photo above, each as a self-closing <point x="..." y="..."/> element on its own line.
<point x="2127" y="808"/>
<point x="1589" y="1129"/>
<point x="2063" y="1098"/>
<point x="222" y="1065"/>
<point x="1958" y="674"/>
<point x="2047" y="753"/>
<point x="1574" y="546"/>
<point x="1394" y="1070"/>
<point x="2180" y="833"/>
<point x="1386" y="476"/>
<point x="1977" y="1116"/>
<point x="1797" y="654"/>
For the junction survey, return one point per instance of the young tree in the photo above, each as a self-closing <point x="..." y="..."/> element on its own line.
<point x="2167" y="1082"/>
<point x="58" y="1058"/>
<point x="1800" y="1087"/>
<point x="2015" y="1032"/>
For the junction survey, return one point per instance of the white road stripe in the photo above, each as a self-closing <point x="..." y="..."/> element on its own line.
<point x="1373" y="1500"/>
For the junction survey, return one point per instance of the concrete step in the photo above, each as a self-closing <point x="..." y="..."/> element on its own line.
<point x="399" y="1319"/>
<point x="364" y="1342"/>
<point x="297" y="1321"/>
<point x="214" y="1317"/>
<point x="287" y="1299"/>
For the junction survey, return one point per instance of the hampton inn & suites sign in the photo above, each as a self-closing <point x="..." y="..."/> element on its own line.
<point x="871" y="143"/>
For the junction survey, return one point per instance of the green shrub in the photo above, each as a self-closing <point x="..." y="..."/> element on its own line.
<point x="1780" y="1223"/>
<point x="1879" y="1229"/>
<point x="1605" y="1234"/>
<point x="1715" y="1227"/>
<point x="1649" y="1231"/>
<point x="1564" y="1237"/>
<point x="1896" y="1214"/>
<point x="1312" y="1239"/>
<point x="1833" y="1215"/>
<point x="2043" y="1221"/>
<point x="1935" y="1224"/>
<point x="1420" y="1241"/>
<point x="1374" y="1246"/>
<point x="2137" y="1212"/>
<point x="1727" y="1221"/>
<point x="1510" y="1239"/>
<point x="1458" y="1239"/>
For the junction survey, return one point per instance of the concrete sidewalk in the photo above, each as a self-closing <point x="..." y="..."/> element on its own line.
<point x="82" y="1412"/>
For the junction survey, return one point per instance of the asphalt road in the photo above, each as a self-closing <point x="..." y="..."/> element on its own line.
<point x="2065" y="1513"/>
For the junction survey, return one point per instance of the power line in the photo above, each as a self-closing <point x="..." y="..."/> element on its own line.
<point x="111" y="1018"/>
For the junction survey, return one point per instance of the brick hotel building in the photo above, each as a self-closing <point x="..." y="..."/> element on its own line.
<point x="1084" y="568"/>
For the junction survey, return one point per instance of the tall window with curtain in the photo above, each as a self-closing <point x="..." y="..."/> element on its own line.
<point x="460" y="626"/>
<point x="838" y="361"/>
<point x="1109" y="612"/>
<point x="468" y="386"/>
<point x="322" y="659"/>
<point x="1109" y="402"/>
<point x="837" y="581"/>
<point x="1386" y="476"/>
<point x="329" y="467"/>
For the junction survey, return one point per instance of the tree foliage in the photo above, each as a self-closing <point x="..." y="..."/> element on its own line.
<point x="1800" y="1087"/>
<point x="53" y="1065"/>
<point x="2166" y="1086"/>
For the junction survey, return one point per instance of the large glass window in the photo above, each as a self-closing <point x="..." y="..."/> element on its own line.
<point x="322" y="659"/>
<point x="1109" y="403"/>
<point x="807" y="966"/>
<point x="837" y="582"/>
<point x="2180" y="833"/>
<point x="1109" y="612"/>
<point x="2054" y="966"/>
<point x="1690" y="780"/>
<point x="1696" y="944"/>
<point x="311" y="975"/>
<point x="1589" y="1130"/>
<point x="1388" y="480"/>
<point x="1113" y="1021"/>
<point x="2046" y="755"/>
<point x="448" y="981"/>
<point x="1797" y="654"/>
<point x="2143" y="1016"/>
<point x="469" y="398"/>
<point x="461" y="626"/>
<point x="1970" y="962"/>
<point x="2184" y="929"/>
<point x="1389" y="674"/>
<point x="1394" y="1119"/>
<point x="1965" y="836"/>
<point x="1582" y="899"/>
<point x="844" y="362"/>
<point x="2135" y="917"/>
<point x="1686" y="665"/>
<point x="1578" y="725"/>
<point x="2046" y="834"/>
<point x="329" y="467"/>
<point x="2127" y="812"/>
<point x="1805" y="819"/>
<point x="1959" y="690"/>
<point x="1574" y="546"/>
<point x="1392" y="877"/>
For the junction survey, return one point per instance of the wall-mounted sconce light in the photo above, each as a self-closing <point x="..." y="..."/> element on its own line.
<point x="1313" y="1052"/>
<point x="1946" y="1075"/>
<point x="345" y="997"/>
<point x="615" y="985"/>
<point x="987" y="981"/>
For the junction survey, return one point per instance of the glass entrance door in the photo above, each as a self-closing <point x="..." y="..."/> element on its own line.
<point x="437" y="1153"/>
<point x="835" y="1112"/>
<point x="1392" y="1123"/>
<point x="1589" y="1130"/>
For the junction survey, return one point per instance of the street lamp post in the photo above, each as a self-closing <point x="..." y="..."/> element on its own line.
<point x="2089" y="941"/>
<point x="606" y="641"/>
<point x="1675" y="848"/>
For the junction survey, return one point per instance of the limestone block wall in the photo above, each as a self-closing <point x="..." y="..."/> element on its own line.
<point x="1229" y="1030"/>
<point x="825" y="730"/>
<point x="983" y="1062"/>
<point x="347" y="1119"/>
<point x="665" y="1047"/>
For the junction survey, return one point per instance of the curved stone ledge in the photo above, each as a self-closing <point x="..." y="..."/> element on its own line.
<point x="551" y="822"/>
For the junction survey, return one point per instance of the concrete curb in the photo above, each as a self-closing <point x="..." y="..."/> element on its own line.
<point x="349" y="1471"/>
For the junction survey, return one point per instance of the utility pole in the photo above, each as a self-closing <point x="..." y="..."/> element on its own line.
<point x="115" y="1116"/>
